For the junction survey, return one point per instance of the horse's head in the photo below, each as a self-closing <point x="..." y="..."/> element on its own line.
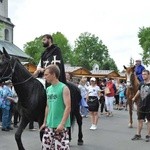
<point x="11" y="68"/>
<point x="5" y="66"/>
<point x="129" y="75"/>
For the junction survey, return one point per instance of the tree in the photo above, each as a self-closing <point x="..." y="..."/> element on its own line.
<point x="90" y="50"/>
<point x="34" y="48"/>
<point x="109" y="64"/>
<point x="144" y="41"/>
<point x="63" y="44"/>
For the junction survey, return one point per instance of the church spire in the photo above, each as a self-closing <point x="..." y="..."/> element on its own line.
<point x="7" y="30"/>
<point x="4" y="8"/>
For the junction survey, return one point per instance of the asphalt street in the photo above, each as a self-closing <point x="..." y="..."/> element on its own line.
<point x="112" y="134"/>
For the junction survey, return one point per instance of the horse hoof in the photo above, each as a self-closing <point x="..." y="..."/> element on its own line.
<point x="80" y="142"/>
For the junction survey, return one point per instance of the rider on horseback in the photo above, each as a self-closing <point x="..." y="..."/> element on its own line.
<point x="138" y="70"/>
<point x="51" y="55"/>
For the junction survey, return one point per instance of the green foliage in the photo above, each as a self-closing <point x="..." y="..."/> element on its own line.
<point x="90" y="50"/>
<point x="144" y="41"/>
<point x="34" y="49"/>
<point x="1" y="28"/>
<point x="109" y="64"/>
<point x="63" y="44"/>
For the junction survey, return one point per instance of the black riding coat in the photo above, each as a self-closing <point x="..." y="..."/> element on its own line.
<point x="47" y="58"/>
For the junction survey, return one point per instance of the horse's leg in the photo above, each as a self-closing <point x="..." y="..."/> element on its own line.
<point x="79" y="122"/>
<point x="126" y="105"/>
<point x="19" y="131"/>
<point x="72" y="123"/>
<point x="130" y="113"/>
<point x="40" y="122"/>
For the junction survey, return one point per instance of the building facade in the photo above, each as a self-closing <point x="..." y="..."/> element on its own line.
<point x="6" y="33"/>
<point x="7" y="25"/>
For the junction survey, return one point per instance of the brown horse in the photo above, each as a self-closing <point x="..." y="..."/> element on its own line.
<point x="132" y="88"/>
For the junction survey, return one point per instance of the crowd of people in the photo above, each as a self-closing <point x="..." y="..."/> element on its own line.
<point x="110" y="94"/>
<point x="99" y="97"/>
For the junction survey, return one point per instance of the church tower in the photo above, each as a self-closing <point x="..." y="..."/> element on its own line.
<point x="7" y="26"/>
<point x="6" y="34"/>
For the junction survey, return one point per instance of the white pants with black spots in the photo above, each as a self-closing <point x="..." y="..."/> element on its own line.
<point x="55" y="141"/>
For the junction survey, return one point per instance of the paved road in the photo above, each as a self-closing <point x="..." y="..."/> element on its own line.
<point x="112" y="134"/>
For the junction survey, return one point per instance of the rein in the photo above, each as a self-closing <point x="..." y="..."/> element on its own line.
<point x="23" y="81"/>
<point x="11" y="74"/>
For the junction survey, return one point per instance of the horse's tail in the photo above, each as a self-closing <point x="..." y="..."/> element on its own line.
<point x="72" y="119"/>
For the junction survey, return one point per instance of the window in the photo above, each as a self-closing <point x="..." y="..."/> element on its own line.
<point x="6" y="35"/>
<point x="1" y="1"/>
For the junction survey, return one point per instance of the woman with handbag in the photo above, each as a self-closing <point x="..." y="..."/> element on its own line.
<point x="93" y="103"/>
<point x="109" y="96"/>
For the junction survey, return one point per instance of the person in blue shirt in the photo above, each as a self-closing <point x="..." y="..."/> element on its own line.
<point x="138" y="70"/>
<point x="6" y="105"/>
<point x="121" y="92"/>
<point x="1" y="99"/>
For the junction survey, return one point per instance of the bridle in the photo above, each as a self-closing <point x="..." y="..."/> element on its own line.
<point x="9" y="77"/>
<point x="130" y="81"/>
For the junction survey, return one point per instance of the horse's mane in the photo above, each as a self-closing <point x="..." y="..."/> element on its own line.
<point x="21" y="66"/>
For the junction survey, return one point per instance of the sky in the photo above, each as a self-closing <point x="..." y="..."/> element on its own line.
<point x="115" y="22"/>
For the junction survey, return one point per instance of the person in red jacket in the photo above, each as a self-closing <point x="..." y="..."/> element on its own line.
<point x="109" y="97"/>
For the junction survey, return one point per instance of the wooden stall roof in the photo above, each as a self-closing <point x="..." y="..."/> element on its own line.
<point x="77" y="71"/>
<point x="105" y="73"/>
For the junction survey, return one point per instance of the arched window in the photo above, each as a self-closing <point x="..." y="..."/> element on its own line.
<point x="6" y="35"/>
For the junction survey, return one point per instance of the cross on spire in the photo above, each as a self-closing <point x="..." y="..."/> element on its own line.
<point x="54" y="61"/>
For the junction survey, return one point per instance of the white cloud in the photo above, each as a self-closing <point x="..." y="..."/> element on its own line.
<point x="115" y="22"/>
